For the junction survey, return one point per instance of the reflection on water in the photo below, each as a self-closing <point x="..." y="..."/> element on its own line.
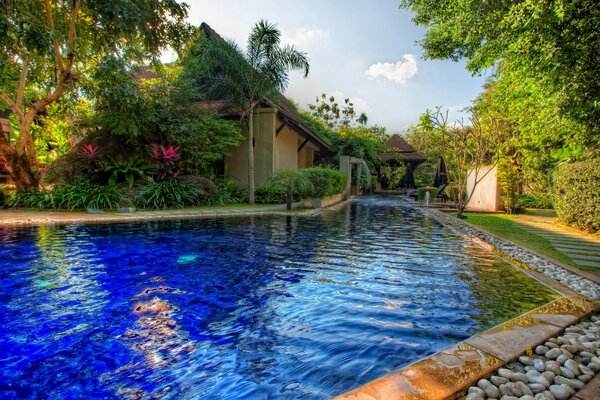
<point x="260" y="307"/>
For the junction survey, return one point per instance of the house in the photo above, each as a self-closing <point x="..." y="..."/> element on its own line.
<point x="281" y="139"/>
<point x="400" y="152"/>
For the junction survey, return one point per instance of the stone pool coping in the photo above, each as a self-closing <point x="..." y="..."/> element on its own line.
<point x="449" y="373"/>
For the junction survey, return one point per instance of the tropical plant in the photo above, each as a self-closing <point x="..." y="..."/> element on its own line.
<point x="169" y="193"/>
<point x="75" y="195"/>
<point x="226" y="191"/>
<point x="394" y="175"/>
<point x="47" y="48"/>
<point x="128" y="171"/>
<point x="244" y="78"/>
<point x="165" y="159"/>
<point x="295" y="182"/>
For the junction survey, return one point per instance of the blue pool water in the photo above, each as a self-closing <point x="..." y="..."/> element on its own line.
<point x="241" y="308"/>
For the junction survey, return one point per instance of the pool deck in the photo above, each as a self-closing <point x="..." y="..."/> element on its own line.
<point x="50" y="217"/>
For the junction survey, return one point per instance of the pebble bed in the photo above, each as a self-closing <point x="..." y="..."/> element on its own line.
<point x="561" y="366"/>
<point x="573" y="281"/>
<point x="555" y="371"/>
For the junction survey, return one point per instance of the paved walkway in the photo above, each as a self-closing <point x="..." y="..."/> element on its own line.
<point x="583" y="249"/>
<point x="22" y="217"/>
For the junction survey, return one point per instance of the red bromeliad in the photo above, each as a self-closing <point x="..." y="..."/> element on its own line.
<point x="89" y="150"/>
<point x="166" y="157"/>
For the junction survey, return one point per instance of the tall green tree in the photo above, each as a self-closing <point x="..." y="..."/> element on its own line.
<point x="48" y="47"/>
<point x="244" y="78"/>
<point x="555" y="40"/>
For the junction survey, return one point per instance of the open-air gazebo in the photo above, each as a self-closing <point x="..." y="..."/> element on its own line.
<point x="400" y="152"/>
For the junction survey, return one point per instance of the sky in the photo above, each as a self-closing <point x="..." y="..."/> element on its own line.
<point x="358" y="49"/>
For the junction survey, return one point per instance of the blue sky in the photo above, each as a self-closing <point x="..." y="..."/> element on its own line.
<point x="364" y="50"/>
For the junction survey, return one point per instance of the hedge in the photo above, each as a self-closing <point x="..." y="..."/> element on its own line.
<point x="576" y="194"/>
<point x="325" y="181"/>
<point x="422" y="190"/>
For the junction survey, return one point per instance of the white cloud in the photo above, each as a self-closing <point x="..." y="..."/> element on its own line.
<point x="305" y="36"/>
<point x="360" y="105"/>
<point x="399" y="72"/>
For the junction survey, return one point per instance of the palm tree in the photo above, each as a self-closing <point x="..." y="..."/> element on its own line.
<point x="244" y="78"/>
<point x="295" y="183"/>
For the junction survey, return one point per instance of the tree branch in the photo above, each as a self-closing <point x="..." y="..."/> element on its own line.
<point x="22" y="81"/>
<point x="13" y="106"/>
<point x="55" y="46"/>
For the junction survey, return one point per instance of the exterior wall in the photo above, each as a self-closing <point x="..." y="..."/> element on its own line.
<point x="306" y="156"/>
<point x="236" y="164"/>
<point x="487" y="195"/>
<point x="286" y="156"/>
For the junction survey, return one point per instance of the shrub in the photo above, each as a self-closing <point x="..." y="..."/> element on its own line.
<point x="422" y="190"/>
<point x="285" y="186"/>
<point x="325" y="181"/>
<point x="169" y="193"/>
<point x="534" y="200"/>
<point x="74" y="195"/>
<point x="41" y="199"/>
<point x="226" y="192"/>
<point x="272" y="192"/>
<point x="576" y="194"/>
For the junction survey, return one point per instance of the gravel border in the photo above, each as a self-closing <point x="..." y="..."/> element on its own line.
<point x="567" y="278"/>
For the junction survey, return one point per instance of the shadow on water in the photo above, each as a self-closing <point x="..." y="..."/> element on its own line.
<point x="257" y="307"/>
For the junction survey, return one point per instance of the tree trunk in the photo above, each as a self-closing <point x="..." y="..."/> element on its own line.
<point x="251" y="157"/>
<point x="21" y="162"/>
<point x="289" y="197"/>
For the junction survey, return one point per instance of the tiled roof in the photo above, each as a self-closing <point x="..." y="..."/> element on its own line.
<point x="401" y="150"/>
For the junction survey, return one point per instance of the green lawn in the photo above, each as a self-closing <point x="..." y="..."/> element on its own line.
<point x="507" y="226"/>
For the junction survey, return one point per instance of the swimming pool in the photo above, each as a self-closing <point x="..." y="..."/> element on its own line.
<point x="245" y="307"/>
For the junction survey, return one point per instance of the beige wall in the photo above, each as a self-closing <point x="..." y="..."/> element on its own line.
<point x="236" y="164"/>
<point x="286" y="156"/>
<point x="487" y="195"/>
<point x="306" y="156"/>
<point x="271" y="152"/>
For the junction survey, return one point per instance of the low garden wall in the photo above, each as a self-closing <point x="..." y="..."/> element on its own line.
<point x="321" y="202"/>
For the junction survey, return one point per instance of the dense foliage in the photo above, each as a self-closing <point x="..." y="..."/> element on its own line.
<point x="49" y="49"/>
<point x="576" y="194"/>
<point x="358" y="140"/>
<point x="556" y="40"/>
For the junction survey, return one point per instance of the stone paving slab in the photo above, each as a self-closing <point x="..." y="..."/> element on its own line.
<point x="438" y="377"/>
<point x="508" y="340"/>
<point x="591" y="391"/>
